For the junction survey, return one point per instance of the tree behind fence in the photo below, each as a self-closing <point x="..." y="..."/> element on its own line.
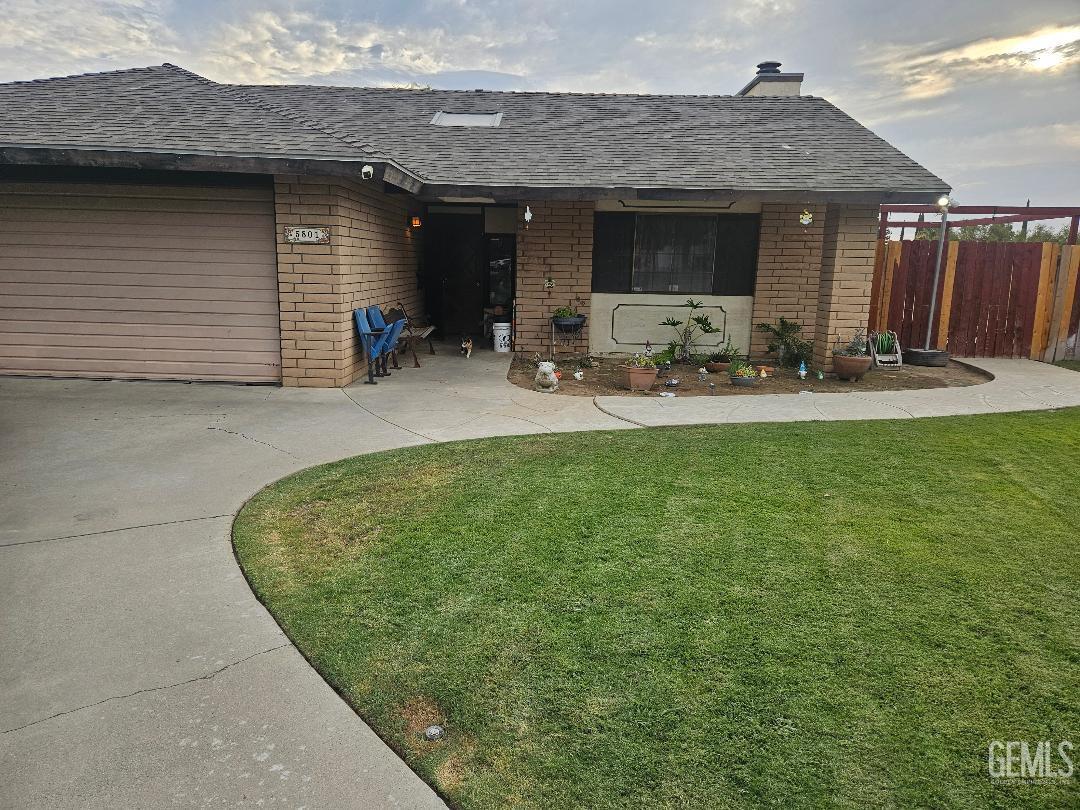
<point x="996" y="299"/>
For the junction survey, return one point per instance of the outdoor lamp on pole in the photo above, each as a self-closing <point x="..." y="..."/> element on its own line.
<point x="943" y="203"/>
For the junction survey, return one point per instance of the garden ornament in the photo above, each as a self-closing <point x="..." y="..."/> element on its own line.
<point x="579" y="375"/>
<point x="802" y="369"/>
<point x="702" y="374"/>
<point x="545" y="379"/>
<point x="433" y="733"/>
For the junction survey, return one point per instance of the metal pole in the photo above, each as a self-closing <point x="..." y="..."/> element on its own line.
<point x="937" y="275"/>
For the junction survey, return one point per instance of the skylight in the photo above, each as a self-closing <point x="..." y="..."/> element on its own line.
<point x="445" y="119"/>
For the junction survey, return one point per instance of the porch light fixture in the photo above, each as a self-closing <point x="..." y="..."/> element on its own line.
<point x="944" y="202"/>
<point x="415" y="221"/>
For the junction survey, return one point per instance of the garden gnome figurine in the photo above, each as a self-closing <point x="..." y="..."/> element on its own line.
<point x="648" y="348"/>
<point x="545" y="378"/>
<point x="802" y="369"/>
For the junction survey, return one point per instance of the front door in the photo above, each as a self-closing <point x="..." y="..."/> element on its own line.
<point x="454" y="258"/>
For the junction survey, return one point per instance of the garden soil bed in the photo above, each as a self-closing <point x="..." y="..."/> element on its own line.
<point x="605" y="380"/>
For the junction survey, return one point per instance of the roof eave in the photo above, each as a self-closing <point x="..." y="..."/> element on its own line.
<point x="103" y="157"/>
<point x="512" y="193"/>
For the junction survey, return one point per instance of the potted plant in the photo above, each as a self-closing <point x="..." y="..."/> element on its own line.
<point x="567" y="319"/>
<point x="743" y="375"/>
<point x="851" y="360"/>
<point x="721" y="360"/>
<point x="638" y="373"/>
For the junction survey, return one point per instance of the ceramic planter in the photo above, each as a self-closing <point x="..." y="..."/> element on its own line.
<point x="851" y="368"/>
<point x="571" y="323"/>
<point x="638" y="378"/>
<point x="743" y="382"/>
<point x="715" y="368"/>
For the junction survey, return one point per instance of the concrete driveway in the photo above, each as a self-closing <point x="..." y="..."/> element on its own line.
<point x="138" y="670"/>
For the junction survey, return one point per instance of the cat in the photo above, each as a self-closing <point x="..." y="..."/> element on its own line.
<point x="466" y="346"/>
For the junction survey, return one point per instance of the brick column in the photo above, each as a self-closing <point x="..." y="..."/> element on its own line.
<point x="847" y="274"/>
<point x="558" y="246"/>
<point x="371" y="259"/>
<point x="788" y="271"/>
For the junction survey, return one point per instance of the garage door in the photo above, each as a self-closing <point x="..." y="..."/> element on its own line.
<point x="138" y="281"/>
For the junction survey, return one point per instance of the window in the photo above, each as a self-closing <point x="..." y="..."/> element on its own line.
<point x="445" y="119"/>
<point x="675" y="253"/>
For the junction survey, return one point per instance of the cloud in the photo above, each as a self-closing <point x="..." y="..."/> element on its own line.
<point x="929" y="73"/>
<point x="272" y="47"/>
<point x="52" y="37"/>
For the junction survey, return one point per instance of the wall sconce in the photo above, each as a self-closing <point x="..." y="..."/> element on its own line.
<point x="415" y="221"/>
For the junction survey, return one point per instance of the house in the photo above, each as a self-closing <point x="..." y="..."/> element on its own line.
<point x="155" y="224"/>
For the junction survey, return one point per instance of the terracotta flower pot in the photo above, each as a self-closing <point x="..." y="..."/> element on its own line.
<point x="715" y="368"/>
<point x="851" y="368"/>
<point x="638" y="378"/>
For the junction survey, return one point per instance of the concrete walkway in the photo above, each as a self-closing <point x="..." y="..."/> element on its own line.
<point x="138" y="669"/>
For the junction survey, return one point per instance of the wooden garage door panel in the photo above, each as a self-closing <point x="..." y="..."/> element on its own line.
<point x="74" y="329"/>
<point x="107" y="317"/>
<point x="253" y="280"/>
<point x="76" y="303"/>
<point x="134" y="370"/>
<point x="138" y="282"/>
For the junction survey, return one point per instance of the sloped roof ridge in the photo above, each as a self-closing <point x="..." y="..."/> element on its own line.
<point x="84" y="75"/>
<point x="237" y="92"/>
<point x="567" y="93"/>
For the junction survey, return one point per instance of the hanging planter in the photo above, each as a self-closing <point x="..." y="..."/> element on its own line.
<point x="565" y="319"/>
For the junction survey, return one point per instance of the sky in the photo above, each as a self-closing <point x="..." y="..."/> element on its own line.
<point x="985" y="94"/>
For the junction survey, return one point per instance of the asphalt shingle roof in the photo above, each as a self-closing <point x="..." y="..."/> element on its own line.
<point x="556" y="140"/>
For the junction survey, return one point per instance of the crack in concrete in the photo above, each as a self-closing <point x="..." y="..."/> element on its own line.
<point x="110" y="531"/>
<point x="886" y="404"/>
<point x="367" y="410"/>
<point x="252" y="439"/>
<point x="208" y="676"/>
<point x="613" y="415"/>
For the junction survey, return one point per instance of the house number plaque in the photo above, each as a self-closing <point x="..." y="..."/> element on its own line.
<point x="307" y="236"/>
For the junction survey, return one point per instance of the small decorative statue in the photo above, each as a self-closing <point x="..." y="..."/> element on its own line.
<point x="802" y="369"/>
<point x="545" y="379"/>
<point x="648" y="349"/>
<point x="702" y="374"/>
<point x="466" y="347"/>
<point x="579" y="374"/>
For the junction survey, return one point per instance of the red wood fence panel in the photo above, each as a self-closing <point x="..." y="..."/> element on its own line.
<point x="1006" y="299"/>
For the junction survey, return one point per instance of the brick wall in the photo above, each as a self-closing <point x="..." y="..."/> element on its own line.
<point x="789" y="269"/>
<point x="847" y="273"/>
<point x="371" y="259"/>
<point x="557" y="246"/>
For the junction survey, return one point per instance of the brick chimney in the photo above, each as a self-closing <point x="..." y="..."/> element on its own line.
<point x="769" y="81"/>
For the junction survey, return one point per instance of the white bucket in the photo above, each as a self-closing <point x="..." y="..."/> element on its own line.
<point x="502" y="336"/>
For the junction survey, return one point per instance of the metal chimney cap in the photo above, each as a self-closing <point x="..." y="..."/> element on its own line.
<point x="768" y="67"/>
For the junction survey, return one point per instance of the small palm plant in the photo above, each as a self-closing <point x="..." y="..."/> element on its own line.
<point x="686" y="333"/>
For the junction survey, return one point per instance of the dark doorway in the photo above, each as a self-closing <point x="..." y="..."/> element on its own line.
<point x="468" y="271"/>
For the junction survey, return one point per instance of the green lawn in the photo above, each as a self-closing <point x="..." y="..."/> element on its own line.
<point x="803" y="615"/>
<point x="1072" y="365"/>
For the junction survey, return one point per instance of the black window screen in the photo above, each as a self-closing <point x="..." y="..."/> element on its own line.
<point x="613" y="252"/>
<point x="675" y="253"/>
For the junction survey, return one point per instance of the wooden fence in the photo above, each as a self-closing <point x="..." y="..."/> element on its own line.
<point x="995" y="299"/>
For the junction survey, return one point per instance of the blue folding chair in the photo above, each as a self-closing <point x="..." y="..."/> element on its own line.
<point x="373" y="342"/>
<point x="393" y="335"/>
